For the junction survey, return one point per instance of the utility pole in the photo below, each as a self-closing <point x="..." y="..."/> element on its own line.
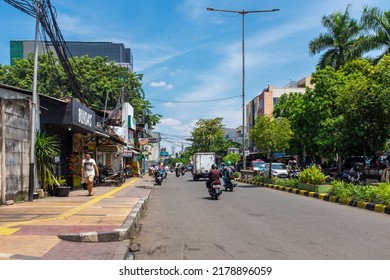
<point x="33" y="118"/>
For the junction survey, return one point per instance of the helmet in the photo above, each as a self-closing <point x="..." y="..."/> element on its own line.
<point x="229" y="163"/>
<point x="294" y="162"/>
<point x="214" y="166"/>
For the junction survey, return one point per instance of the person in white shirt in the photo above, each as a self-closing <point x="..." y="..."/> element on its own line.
<point x="89" y="170"/>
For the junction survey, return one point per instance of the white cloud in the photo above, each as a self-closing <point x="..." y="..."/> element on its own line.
<point x="161" y="84"/>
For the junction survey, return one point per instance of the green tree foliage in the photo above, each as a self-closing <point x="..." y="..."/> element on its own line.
<point x="377" y="24"/>
<point x="271" y="135"/>
<point x="346" y="114"/>
<point x="100" y="82"/>
<point x="340" y="42"/>
<point x="232" y="157"/>
<point x="208" y="136"/>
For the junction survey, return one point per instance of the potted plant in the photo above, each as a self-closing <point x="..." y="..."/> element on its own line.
<point x="312" y="179"/>
<point x="59" y="186"/>
<point x="46" y="149"/>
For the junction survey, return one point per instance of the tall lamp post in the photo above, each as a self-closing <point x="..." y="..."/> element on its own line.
<point x="243" y="13"/>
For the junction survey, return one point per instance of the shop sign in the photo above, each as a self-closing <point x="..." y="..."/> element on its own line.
<point x="143" y="141"/>
<point x="82" y="116"/>
<point x="108" y="148"/>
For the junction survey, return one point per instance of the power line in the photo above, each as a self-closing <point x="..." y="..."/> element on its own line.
<point x="195" y="101"/>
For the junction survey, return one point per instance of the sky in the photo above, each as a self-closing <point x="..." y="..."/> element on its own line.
<point x="191" y="58"/>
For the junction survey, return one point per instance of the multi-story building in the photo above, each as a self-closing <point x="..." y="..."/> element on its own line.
<point x="116" y="52"/>
<point x="263" y="104"/>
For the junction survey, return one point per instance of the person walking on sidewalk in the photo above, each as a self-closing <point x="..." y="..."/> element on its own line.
<point x="89" y="170"/>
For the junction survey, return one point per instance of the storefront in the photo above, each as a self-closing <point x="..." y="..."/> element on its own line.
<point x="74" y="125"/>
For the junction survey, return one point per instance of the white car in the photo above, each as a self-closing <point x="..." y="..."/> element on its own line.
<point x="278" y="170"/>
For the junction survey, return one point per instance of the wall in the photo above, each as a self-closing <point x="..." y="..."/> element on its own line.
<point x="15" y="126"/>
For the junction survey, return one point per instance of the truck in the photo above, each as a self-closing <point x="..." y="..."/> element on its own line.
<point x="202" y="163"/>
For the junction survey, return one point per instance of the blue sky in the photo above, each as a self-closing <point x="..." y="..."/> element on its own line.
<point x="188" y="54"/>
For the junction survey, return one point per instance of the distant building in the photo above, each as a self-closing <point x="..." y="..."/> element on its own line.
<point x="116" y="52"/>
<point x="263" y="104"/>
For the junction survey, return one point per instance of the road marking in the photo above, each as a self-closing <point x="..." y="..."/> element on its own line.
<point x="6" y="229"/>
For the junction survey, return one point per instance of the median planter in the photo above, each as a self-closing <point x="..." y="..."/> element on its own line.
<point x="314" y="188"/>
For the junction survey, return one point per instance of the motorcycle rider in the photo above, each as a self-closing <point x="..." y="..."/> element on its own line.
<point x="214" y="174"/>
<point x="227" y="172"/>
<point x="292" y="168"/>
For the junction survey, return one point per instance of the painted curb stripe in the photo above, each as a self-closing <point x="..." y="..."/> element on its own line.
<point x="380" y="208"/>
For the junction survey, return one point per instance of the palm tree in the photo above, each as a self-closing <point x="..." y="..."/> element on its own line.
<point x="379" y="22"/>
<point x="341" y="41"/>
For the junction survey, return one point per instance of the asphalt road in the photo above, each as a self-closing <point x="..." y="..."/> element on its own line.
<point x="183" y="223"/>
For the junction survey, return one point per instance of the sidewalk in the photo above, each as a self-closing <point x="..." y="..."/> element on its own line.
<point x="77" y="227"/>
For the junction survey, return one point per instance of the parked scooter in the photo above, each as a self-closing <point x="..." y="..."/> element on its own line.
<point x="354" y="177"/>
<point x="230" y="184"/>
<point x="215" y="189"/>
<point x="109" y="177"/>
<point x="128" y="171"/>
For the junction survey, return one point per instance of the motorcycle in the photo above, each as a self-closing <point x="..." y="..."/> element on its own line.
<point x="294" y="174"/>
<point x="355" y="177"/>
<point x="183" y="172"/>
<point x="157" y="177"/>
<point x="127" y="172"/>
<point x="215" y="189"/>
<point x="109" y="177"/>
<point x="230" y="184"/>
<point x="177" y="173"/>
<point x="163" y="173"/>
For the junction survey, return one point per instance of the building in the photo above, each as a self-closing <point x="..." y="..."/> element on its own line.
<point x="263" y="104"/>
<point x="116" y="52"/>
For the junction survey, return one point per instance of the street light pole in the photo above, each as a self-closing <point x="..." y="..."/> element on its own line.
<point x="243" y="13"/>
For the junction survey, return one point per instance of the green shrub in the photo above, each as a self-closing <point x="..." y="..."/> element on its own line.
<point x="290" y="183"/>
<point x="341" y="190"/>
<point x="383" y="193"/>
<point x="237" y="174"/>
<point x="375" y="194"/>
<point x="312" y="175"/>
<point x="259" y="179"/>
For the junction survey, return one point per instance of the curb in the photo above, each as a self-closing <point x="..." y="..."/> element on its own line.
<point x="380" y="208"/>
<point x="119" y="234"/>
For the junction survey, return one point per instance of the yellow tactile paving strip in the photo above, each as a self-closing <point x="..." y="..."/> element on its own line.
<point x="59" y="214"/>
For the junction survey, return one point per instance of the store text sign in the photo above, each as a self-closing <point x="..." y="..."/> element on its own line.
<point x="85" y="118"/>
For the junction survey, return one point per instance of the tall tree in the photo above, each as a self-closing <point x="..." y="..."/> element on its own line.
<point x="101" y="83"/>
<point x="208" y="136"/>
<point x="271" y="135"/>
<point x="378" y="22"/>
<point x="340" y="42"/>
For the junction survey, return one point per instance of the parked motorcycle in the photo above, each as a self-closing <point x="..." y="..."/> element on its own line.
<point x="355" y="177"/>
<point x="215" y="189"/>
<point x="128" y="171"/>
<point x="109" y="177"/>
<point x="230" y="184"/>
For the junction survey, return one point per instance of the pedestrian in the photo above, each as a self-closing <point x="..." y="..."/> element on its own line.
<point x="89" y="170"/>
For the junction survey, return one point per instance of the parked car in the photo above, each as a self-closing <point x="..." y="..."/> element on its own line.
<point x="257" y="165"/>
<point x="189" y="167"/>
<point x="278" y="169"/>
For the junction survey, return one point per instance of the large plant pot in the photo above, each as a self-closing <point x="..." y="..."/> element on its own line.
<point x="63" y="191"/>
<point x="314" y="188"/>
